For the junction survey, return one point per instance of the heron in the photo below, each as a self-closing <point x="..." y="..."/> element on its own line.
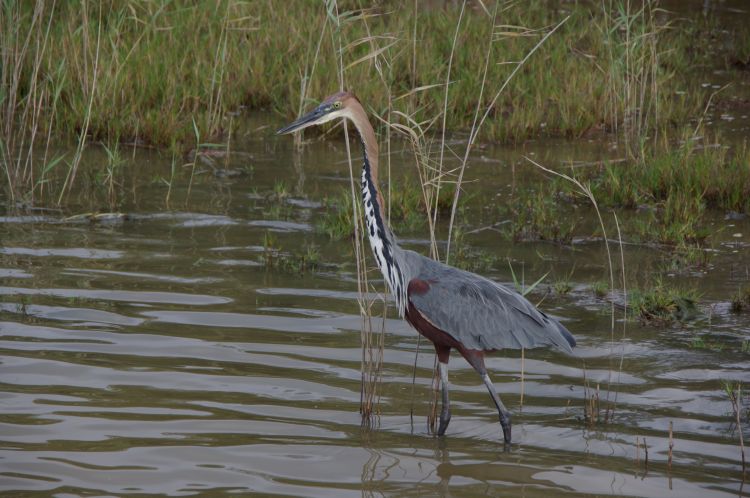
<point x="453" y="308"/>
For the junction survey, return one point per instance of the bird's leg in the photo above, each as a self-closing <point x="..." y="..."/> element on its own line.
<point x="503" y="413"/>
<point x="445" y="413"/>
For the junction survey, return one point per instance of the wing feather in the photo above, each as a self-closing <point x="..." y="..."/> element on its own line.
<point x="482" y="314"/>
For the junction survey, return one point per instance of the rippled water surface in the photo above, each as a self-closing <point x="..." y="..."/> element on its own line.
<point x="160" y="355"/>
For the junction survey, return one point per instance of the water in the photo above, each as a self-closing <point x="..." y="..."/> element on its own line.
<point x="156" y="354"/>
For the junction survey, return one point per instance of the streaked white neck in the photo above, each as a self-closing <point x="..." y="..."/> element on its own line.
<point x="382" y="241"/>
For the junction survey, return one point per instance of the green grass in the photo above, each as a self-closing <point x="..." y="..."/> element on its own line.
<point x="538" y="215"/>
<point x="717" y="176"/>
<point x="662" y="305"/>
<point x="738" y="57"/>
<point x="600" y="288"/>
<point x="675" y="189"/>
<point x="562" y="287"/>
<point x="166" y="72"/>
<point x="706" y="343"/>
<point x="674" y="221"/>
<point x="667" y="197"/>
<point x="337" y="221"/>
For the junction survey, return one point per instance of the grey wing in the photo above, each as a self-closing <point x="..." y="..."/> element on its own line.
<point x="480" y="313"/>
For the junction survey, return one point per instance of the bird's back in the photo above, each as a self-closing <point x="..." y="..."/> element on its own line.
<point x="477" y="312"/>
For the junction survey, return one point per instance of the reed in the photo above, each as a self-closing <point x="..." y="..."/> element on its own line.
<point x="733" y="391"/>
<point x="659" y="304"/>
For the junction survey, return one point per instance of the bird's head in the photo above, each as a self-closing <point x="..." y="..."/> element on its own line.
<point x="335" y="106"/>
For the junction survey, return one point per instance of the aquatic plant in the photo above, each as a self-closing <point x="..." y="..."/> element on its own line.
<point x="562" y="286"/>
<point x="740" y="300"/>
<point x="337" y="221"/>
<point x="600" y="288"/>
<point x="697" y="171"/>
<point x="274" y="257"/>
<point x="470" y="258"/>
<point x="662" y="305"/>
<point x="306" y="260"/>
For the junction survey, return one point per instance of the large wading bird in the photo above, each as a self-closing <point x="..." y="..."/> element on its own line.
<point x="452" y="308"/>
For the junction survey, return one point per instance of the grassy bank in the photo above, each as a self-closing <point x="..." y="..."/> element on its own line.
<point x="172" y="73"/>
<point x="667" y="197"/>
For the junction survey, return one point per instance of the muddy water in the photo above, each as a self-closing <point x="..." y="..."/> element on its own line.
<point x="158" y="355"/>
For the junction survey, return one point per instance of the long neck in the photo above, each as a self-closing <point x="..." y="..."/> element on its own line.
<point x="382" y="241"/>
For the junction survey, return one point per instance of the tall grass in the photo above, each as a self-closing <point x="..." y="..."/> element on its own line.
<point x="29" y="94"/>
<point x="715" y="175"/>
<point x="143" y="71"/>
<point x="633" y="76"/>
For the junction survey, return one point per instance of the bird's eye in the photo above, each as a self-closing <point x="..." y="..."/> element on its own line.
<point x="337" y="105"/>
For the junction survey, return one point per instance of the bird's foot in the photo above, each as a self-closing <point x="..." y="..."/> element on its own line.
<point x="444" y="420"/>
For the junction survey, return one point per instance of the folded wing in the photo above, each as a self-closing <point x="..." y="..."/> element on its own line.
<point x="480" y="313"/>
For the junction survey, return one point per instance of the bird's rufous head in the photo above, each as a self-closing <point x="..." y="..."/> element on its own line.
<point x="335" y="106"/>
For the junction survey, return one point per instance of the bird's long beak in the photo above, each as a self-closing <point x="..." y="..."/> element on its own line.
<point x="309" y="119"/>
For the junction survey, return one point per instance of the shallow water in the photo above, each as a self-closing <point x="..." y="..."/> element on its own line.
<point x="158" y="355"/>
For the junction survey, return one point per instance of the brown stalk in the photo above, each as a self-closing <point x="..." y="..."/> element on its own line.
<point x="735" y="397"/>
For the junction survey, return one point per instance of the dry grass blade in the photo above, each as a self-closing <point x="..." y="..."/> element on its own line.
<point x="429" y="176"/>
<point x="585" y="190"/>
<point x="371" y="55"/>
<point x="307" y="76"/>
<point x="367" y="39"/>
<point x="418" y="89"/>
<point x="611" y="409"/>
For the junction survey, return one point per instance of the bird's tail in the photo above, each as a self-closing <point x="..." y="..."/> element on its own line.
<point x="565" y="333"/>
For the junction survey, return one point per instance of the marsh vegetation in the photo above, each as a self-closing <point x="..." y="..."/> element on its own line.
<point x="171" y="75"/>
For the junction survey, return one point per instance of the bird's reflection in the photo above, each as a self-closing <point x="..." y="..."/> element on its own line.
<point x="432" y="466"/>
